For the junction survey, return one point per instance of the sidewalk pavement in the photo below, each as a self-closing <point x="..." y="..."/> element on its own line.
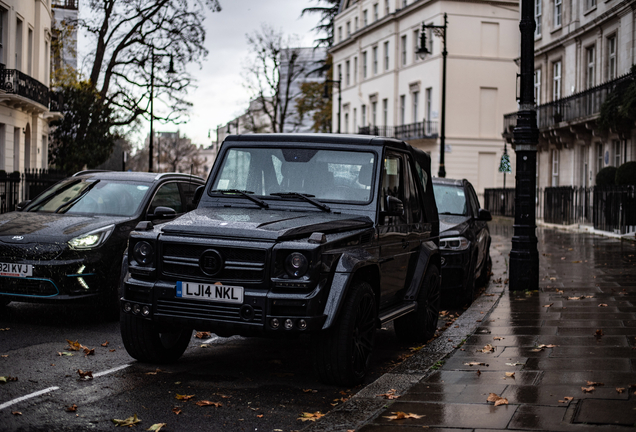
<point x="562" y="357"/>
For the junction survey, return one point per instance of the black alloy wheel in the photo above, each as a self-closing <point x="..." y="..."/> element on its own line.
<point x="420" y="326"/>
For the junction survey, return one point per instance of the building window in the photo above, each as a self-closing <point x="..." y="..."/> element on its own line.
<point x="558" y="9"/>
<point x="618" y="157"/>
<point x="364" y="115"/>
<point x="537" y="87"/>
<point x="375" y="60"/>
<point x="590" y="69"/>
<point x="374" y="113"/>
<point x="537" y="17"/>
<point x="385" y="112"/>
<point x="18" y="45"/>
<point x="404" y="3"/>
<point x="402" y="109"/>
<point x="365" y="18"/>
<point x="347" y="73"/>
<point x="556" y="80"/>
<point x="589" y="4"/>
<point x="3" y="26"/>
<point x="340" y="34"/>
<point x="555" y="168"/>
<point x="403" y="47"/>
<point x="376" y="12"/>
<point x="346" y="123"/>
<point x="355" y="70"/>
<point x="355" y="24"/>
<point x="339" y="72"/>
<point x="386" y="7"/>
<point x="429" y="103"/>
<point x="599" y="157"/>
<point x="30" y="52"/>
<point x="416" y="38"/>
<point x="386" y="56"/>
<point x="348" y="28"/>
<point x="364" y="64"/>
<point x="416" y="101"/>
<point x="355" y="120"/>
<point x="429" y="38"/>
<point x="611" y="58"/>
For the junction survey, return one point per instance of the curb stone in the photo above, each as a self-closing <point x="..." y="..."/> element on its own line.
<point x="365" y="405"/>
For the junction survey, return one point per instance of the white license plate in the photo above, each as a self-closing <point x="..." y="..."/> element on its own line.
<point x="16" y="270"/>
<point x="210" y="292"/>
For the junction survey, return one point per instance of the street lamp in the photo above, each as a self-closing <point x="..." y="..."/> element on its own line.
<point x="422" y="51"/>
<point x="152" y="105"/>
<point x="326" y="95"/>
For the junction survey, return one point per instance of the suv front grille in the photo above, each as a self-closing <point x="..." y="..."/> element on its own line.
<point x="29" y="251"/>
<point x="180" y="260"/>
<point x="195" y="309"/>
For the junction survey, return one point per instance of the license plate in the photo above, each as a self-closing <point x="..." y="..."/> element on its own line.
<point x="16" y="270"/>
<point x="210" y="292"/>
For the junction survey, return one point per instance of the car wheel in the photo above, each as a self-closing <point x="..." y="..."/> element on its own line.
<point x="469" y="290"/>
<point x="420" y="326"/>
<point x="342" y="355"/>
<point x="486" y="270"/>
<point x="146" y="343"/>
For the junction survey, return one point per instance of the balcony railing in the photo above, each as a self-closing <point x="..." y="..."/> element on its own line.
<point x="420" y="130"/>
<point x="15" y="82"/>
<point x="579" y="106"/>
<point x="65" y="4"/>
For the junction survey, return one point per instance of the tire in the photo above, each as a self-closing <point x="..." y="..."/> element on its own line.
<point x="146" y="343"/>
<point x="420" y="325"/>
<point x="486" y="270"/>
<point x="469" y="289"/>
<point x="342" y="355"/>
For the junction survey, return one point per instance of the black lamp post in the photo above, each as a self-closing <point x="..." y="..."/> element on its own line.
<point x="524" y="256"/>
<point x="422" y="51"/>
<point x="326" y="96"/>
<point x="152" y="104"/>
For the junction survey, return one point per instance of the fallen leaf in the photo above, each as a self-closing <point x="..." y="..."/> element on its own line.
<point x="599" y="332"/>
<point x="155" y="372"/>
<point x="620" y="389"/>
<point x="389" y="395"/>
<point x="156" y="427"/>
<point x="478" y="372"/>
<point x="203" y="403"/>
<point x="594" y="383"/>
<point x="498" y="338"/>
<point x="568" y="398"/>
<point x="88" y="352"/>
<point x="310" y="416"/>
<point x="105" y="344"/>
<point x="176" y="410"/>
<point x="203" y="335"/>
<point x="501" y="401"/>
<point x="183" y="397"/>
<point x="487" y="349"/>
<point x="476" y="364"/>
<point x="74" y="346"/>
<point x="111" y="350"/>
<point x="498" y="400"/>
<point x="16" y="413"/>
<point x="515" y="364"/>
<point x="576" y="262"/>
<point x="4" y="329"/>
<point x="71" y="408"/>
<point x="85" y="375"/>
<point x="309" y="391"/>
<point x="602" y="305"/>
<point x="130" y="421"/>
<point x="510" y="374"/>
<point x="4" y="355"/>
<point x="548" y="305"/>
<point x="587" y="389"/>
<point x="260" y="416"/>
<point x="64" y="353"/>
<point x="6" y="379"/>
<point x="399" y="415"/>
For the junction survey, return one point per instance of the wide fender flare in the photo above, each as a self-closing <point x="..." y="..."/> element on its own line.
<point x="348" y="266"/>
<point x="428" y="255"/>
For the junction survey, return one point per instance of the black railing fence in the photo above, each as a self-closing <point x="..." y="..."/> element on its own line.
<point x="16" y="82"/>
<point x="424" y="129"/>
<point x="37" y="180"/>
<point x="615" y="209"/>
<point x="9" y="191"/>
<point x="499" y="201"/>
<point x="16" y="187"/>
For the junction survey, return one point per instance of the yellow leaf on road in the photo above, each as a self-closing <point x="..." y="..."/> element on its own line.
<point x="130" y="421"/>
<point x="203" y="403"/>
<point x="399" y="415"/>
<point x="184" y="397"/>
<point x="310" y="416"/>
<point x="156" y="427"/>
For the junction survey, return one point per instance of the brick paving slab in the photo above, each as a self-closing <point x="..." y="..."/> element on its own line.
<point x="594" y="349"/>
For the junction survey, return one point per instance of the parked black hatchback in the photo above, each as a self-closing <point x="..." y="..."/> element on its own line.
<point x="67" y="244"/>
<point x="326" y="235"/>
<point x="464" y="239"/>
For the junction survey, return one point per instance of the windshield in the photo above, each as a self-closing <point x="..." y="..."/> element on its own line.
<point x="327" y="175"/>
<point x="450" y="199"/>
<point x="93" y="197"/>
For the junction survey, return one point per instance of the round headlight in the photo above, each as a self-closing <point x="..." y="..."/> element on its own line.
<point x="296" y="264"/>
<point x="143" y="253"/>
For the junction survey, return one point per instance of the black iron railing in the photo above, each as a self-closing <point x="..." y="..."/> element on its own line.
<point x="576" y="107"/>
<point x="16" y="82"/>
<point x="420" y="130"/>
<point x="65" y="4"/>
<point x="615" y="209"/>
<point x="9" y="191"/>
<point x="500" y="201"/>
<point x="566" y="205"/>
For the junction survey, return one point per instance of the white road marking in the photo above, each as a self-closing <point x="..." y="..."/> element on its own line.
<point x="106" y="372"/>
<point x="29" y="396"/>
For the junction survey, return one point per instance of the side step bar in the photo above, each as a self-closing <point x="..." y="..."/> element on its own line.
<point x="397" y="312"/>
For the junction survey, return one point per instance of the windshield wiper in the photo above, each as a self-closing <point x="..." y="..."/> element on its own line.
<point x="305" y="197"/>
<point x="245" y="193"/>
<point x="77" y="198"/>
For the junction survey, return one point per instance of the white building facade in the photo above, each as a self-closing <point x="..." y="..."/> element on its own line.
<point x="387" y="90"/>
<point x="25" y="47"/>
<point x="583" y="49"/>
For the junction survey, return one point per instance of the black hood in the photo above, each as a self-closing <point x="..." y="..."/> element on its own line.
<point x="49" y="227"/>
<point x="452" y="224"/>
<point x="261" y="223"/>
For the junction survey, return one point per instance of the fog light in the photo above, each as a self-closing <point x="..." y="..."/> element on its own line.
<point x="288" y="324"/>
<point x="127" y="307"/>
<point x="145" y="311"/>
<point x="274" y="323"/>
<point x="302" y="324"/>
<point x="136" y="309"/>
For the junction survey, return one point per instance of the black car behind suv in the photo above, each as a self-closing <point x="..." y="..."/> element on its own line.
<point x="327" y="235"/>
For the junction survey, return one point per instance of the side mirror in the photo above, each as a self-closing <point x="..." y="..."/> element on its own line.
<point x="21" y="205"/>
<point x="484" y="215"/>
<point x="198" y="193"/>
<point x="163" y="213"/>
<point x="394" y="206"/>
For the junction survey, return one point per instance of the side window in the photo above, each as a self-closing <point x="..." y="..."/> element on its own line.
<point x="393" y="185"/>
<point x="421" y="173"/>
<point x="414" y="201"/>
<point x="474" y="201"/>
<point x="187" y="191"/>
<point x="167" y="196"/>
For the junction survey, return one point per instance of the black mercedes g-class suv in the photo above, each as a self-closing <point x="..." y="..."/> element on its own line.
<point x="328" y="235"/>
